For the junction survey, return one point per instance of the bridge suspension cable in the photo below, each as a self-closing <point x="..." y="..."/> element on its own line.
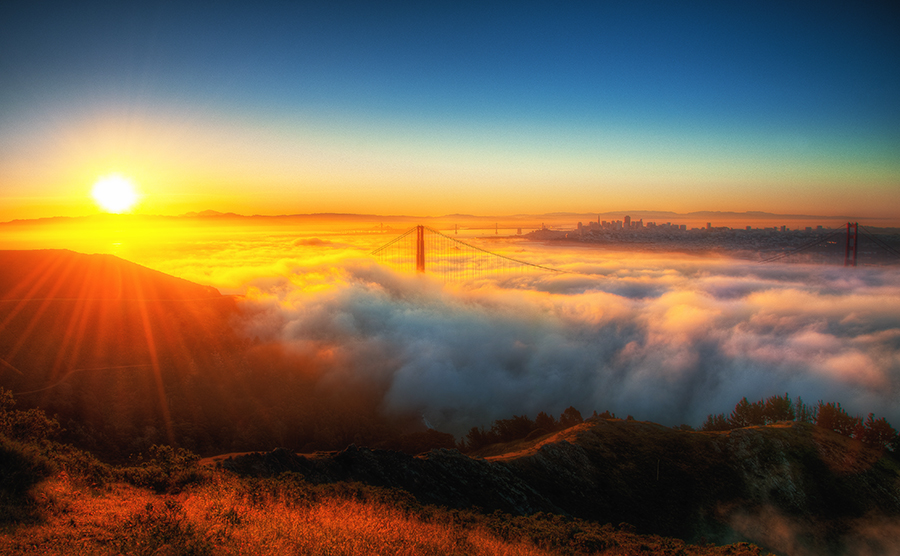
<point x="424" y="249"/>
<point x="880" y="243"/>
<point x="851" y="248"/>
<point x="804" y="247"/>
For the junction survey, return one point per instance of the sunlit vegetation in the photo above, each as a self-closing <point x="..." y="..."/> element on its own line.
<point x="57" y="499"/>
<point x="831" y="416"/>
<point x="286" y="516"/>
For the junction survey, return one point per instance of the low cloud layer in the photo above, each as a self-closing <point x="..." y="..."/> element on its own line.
<point x="663" y="339"/>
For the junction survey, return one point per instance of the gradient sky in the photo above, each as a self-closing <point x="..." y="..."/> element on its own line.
<point x="402" y="108"/>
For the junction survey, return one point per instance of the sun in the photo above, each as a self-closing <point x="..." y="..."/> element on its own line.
<point x="115" y="194"/>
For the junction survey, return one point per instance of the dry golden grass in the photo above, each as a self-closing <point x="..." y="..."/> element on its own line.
<point x="270" y="525"/>
<point x="230" y="516"/>
<point x="220" y="518"/>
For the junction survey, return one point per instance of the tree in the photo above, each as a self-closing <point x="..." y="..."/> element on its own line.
<point x="747" y="414"/>
<point x="570" y="417"/>
<point x="832" y="416"/>
<point x="803" y="412"/>
<point x="507" y="430"/>
<point x="545" y="421"/>
<point x="716" y="423"/>
<point x="778" y="408"/>
<point x="878" y="433"/>
<point x="479" y="438"/>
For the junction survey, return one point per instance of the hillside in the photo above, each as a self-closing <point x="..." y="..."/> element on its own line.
<point x="63" y="274"/>
<point x="794" y="488"/>
<point x="107" y="344"/>
<point x="129" y="357"/>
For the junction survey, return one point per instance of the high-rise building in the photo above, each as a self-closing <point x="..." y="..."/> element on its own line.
<point x="627" y="224"/>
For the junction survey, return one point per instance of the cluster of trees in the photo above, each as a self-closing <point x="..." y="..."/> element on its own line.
<point x="831" y="416"/>
<point x="520" y="426"/>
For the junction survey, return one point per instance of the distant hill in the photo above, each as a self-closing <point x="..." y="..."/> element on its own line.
<point x="207" y="217"/>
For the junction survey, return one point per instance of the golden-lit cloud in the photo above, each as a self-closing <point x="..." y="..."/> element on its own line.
<point x="671" y="351"/>
<point x="666" y="337"/>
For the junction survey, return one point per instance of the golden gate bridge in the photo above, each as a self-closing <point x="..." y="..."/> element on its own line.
<point x="850" y="242"/>
<point x="421" y="248"/>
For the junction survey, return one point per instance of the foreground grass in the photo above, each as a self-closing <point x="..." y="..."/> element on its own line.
<point x="228" y="515"/>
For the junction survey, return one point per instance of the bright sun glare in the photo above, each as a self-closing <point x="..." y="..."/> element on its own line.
<point x="114" y="194"/>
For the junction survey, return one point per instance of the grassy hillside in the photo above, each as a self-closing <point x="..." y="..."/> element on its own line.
<point x="55" y="499"/>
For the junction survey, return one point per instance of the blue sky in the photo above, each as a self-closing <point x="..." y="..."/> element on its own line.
<point x="704" y="105"/>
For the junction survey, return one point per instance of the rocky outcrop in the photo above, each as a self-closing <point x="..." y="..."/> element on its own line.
<point x="692" y="485"/>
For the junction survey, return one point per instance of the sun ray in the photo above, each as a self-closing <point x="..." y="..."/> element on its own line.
<point x="149" y="337"/>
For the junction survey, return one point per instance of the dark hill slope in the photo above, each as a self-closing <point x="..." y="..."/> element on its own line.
<point x="129" y="357"/>
<point x="785" y="487"/>
<point x="63" y="312"/>
<point x="111" y="345"/>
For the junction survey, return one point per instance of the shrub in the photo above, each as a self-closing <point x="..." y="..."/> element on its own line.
<point x="168" y="469"/>
<point x="161" y="530"/>
<point x="22" y="468"/>
<point x="29" y="425"/>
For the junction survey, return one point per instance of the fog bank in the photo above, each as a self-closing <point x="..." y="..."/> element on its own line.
<point x="669" y="340"/>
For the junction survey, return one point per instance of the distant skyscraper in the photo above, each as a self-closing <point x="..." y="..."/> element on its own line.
<point x="627" y="224"/>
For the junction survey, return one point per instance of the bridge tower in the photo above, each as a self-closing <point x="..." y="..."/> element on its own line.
<point x="854" y="237"/>
<point x="420" y="249"/>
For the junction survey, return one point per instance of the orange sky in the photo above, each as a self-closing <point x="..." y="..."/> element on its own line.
<point x="295" y="109"/>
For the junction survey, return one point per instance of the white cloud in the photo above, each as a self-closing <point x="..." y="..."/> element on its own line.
<point x="669" y="340"/>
